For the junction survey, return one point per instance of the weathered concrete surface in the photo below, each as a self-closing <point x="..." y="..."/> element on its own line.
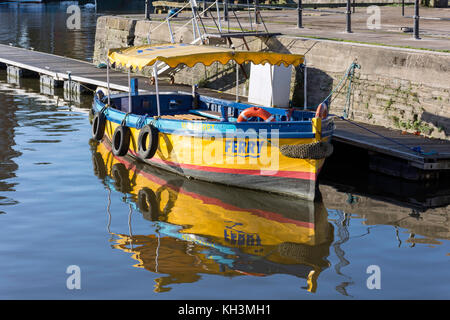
<point x="398" y="88"/>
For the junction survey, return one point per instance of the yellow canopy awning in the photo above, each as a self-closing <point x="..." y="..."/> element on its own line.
<point x="175" y="54"/>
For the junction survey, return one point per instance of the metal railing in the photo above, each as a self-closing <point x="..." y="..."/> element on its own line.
<point x="230" y="8"/>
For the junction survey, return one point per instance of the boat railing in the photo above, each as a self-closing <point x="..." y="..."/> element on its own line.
<point x="231" y="109"/>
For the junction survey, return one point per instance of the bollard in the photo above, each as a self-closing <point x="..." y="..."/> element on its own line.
<point x="349" y="18"/>
<point x="416" y="20"/>
<point x="225" y="10"/>
<point x="299" y="12"/>
<point x="147" y="10"/>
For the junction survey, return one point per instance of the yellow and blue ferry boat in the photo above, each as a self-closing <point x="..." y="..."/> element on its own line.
<point x="279" y="150"/>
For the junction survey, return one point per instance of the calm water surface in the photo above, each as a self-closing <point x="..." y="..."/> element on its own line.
<point x="139" y="233"/>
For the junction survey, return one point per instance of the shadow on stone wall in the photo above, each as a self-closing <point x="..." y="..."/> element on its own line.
<point x="224" y="78"/>
<point x="440" y="122"/>
<point x="319" y="83"/>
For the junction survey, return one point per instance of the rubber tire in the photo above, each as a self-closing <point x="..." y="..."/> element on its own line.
<point x="148" y="134"/>
<point x="121" y="141"/>
<point x="98" y="126"/>
<point x="148" y="204"/>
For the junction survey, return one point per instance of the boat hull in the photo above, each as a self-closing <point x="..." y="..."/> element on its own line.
<point x="293" y="177"/>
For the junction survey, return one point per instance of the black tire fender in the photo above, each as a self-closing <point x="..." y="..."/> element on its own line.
<point x="98" y="126"/>
<point x="121" y="141"/>
<point x="148" y="142"/>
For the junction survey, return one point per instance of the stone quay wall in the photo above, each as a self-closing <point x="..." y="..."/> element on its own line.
<point x="397" y="88"/>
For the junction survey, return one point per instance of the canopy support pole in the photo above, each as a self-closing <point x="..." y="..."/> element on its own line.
<point x="305" y="86"/>
<point x="107" y="81"/>
<point x="129" y="89"/>
<point x="155" y="72"/>
<point x="237" y="81"/>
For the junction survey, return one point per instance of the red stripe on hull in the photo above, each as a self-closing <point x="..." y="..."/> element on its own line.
<point x="283" y="174"/>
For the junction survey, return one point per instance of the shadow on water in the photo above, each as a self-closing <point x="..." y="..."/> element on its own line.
<point x="422" y="207"/>
<point x="348" y="171"/>
<point x="203" y="228"/>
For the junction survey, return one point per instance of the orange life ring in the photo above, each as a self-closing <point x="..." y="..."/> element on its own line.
<point x="255" y="112"/>
<point x="322" y="111"/>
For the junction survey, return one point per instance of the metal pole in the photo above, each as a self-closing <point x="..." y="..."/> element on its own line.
<point x="257" y="20"/>
<point x="107" y="81"/>
<point x="416" y="20"/>
<point x="218" y="16"/>
<point x="305" y="85"/>
<point x="155" y="73"/>
<point x="129" y="89"/>
<point x="349" y="17"/>
<point x="193" y="29"/>
<point x="172" y="40"/>
<point x="299" y="12"/>
<point x="194" y="17"/>
<point x="225" y="10"/>
<point x="403" y="8"/>
<point x="354" y="6"/>
<point x="147" y="10"/>
<point x="249" y="15"/>
<point x="237" y="82"/>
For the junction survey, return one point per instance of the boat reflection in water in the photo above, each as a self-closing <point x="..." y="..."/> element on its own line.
<point x="204" y="228"/>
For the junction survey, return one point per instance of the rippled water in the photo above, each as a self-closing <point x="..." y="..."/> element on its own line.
<point x="139" y="233"/>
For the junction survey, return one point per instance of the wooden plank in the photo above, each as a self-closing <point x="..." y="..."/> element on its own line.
<point x="351" y="134"/>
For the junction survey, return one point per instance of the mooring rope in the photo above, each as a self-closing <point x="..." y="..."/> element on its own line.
<point x="348" y="75"/>
<point x="141" y="121"/>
